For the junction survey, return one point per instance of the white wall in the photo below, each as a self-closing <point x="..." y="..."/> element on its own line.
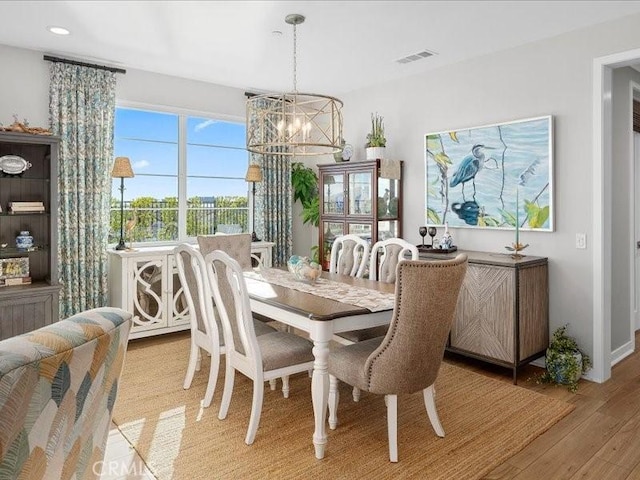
<point x="554" y="77"/>
<point x="24" y="86"/>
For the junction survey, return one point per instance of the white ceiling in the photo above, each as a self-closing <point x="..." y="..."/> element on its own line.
<point x="342" y="46"/>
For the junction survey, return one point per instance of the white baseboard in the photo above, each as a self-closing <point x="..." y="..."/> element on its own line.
<point x="621" y="352"/>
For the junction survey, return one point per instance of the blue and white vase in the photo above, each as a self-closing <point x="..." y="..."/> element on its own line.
<point x="24" y="240"/>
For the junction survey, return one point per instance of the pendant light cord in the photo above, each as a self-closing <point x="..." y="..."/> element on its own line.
<point x="295" y="60"/>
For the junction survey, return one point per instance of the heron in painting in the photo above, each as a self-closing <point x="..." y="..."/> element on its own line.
<point x="469" y="168"/>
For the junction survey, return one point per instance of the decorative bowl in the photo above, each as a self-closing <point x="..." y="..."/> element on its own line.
<point x="303" y="269"/>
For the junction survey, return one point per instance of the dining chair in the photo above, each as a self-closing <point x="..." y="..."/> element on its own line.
<point x="386" y="254"/>
<point x="408" y="358"/>
<point x="205" y="325"/>
<point x="260" y="358"/>
<point x="237" y="246"/>
<point x="349" y="255"/>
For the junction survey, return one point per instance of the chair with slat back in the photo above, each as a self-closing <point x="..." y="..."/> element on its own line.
<point x="261" y="358"/>
<point x="408" y="358"/>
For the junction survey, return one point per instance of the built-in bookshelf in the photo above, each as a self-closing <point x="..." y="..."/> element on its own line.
<point x="29" y="203"/>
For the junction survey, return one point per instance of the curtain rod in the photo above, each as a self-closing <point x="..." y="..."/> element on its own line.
<point x="49" y="58"/>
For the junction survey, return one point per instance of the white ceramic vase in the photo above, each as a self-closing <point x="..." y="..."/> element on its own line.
<point x="373" y="153"/>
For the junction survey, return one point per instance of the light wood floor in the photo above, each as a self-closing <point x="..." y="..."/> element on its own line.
<point x="599" y="440"/>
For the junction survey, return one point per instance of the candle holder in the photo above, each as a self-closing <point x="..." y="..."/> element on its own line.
<point x="517" y="247"/>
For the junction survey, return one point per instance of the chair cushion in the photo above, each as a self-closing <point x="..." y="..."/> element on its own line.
<point x="347" y="363"/>
<point x="282" y="349"/>
<point x="260" y="328"/>
<point x="364" y="334"/>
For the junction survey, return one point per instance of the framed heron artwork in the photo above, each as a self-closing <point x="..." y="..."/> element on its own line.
<point x="494" y="176"/>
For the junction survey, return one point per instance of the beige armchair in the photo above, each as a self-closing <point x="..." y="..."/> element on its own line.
<point x="408" y="358"/>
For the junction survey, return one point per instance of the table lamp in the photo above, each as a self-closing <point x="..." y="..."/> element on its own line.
<point x="121" y="169"/>
<point x="254" y="174"/>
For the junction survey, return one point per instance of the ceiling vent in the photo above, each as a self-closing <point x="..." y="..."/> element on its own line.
<point x="416" y="56"/>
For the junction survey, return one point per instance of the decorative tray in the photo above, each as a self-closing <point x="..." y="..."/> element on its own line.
<point x="430" y="249"/>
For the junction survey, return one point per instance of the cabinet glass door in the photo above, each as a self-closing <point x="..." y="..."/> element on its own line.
<point x="148" y="287"/>
<point x="331" y="231"/>
<point x="388" y="192"/>
<point x="360" y="193"/>
<point x="388" y="229"/>
<point x="363" y="230"/>
<point x="333" y="195"/>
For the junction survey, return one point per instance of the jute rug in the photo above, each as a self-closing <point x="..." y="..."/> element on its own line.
<point x="486" y="421"/>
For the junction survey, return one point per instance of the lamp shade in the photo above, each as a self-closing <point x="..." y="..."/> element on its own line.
<point x="329" y="180"/>
<point x="122" y="168"/>
<point x="254" y="173"/>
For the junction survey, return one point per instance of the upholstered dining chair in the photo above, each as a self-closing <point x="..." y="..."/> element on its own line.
<point x="205" y="324"/>
<point x="386" y="254"/>
<point x="237" y="246"/>
<point x="261" y="358"/>
<point x="408" y="358"/>
<point x="349" y="255"/>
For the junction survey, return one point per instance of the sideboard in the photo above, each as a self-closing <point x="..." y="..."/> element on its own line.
<point x="145" y="281"/>
<point x="502" y="315"/>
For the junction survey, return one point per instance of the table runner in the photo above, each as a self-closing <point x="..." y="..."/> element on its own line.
<point x="373" y="300"/>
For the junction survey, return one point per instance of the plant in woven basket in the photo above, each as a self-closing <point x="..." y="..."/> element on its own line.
<point x="565" y="361"/>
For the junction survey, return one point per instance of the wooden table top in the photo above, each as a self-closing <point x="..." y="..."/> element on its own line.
<point x="312" y="306"/>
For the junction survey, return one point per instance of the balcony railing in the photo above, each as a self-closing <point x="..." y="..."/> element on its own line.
<point x="158" y="220"/>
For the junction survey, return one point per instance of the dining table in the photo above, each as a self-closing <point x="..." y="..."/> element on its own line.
<point x="332" y="304"/>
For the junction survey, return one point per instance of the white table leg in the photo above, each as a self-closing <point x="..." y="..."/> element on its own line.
<point x="320" y="385"/>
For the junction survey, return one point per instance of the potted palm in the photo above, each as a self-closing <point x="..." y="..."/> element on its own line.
<point x="565" y="361"/>
<point x="376" y="142"/>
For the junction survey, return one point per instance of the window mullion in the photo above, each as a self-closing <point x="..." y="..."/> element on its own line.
<point x="182" y="177"/>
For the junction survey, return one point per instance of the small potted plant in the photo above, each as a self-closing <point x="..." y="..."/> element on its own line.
<point x="376" y="142"/>
<point x="564" y="360"/>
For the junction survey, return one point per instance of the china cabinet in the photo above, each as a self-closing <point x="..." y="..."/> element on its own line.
<point x="359" y="198"/>
<point x="28" y="208"/>
<point x="145" y="281"/>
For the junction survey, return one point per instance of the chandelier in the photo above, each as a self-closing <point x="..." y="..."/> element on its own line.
<point x="294" y="123"/>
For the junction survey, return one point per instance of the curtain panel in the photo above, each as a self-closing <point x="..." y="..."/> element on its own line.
<point x="81" y="112"/>
<point x="273" y="202"/>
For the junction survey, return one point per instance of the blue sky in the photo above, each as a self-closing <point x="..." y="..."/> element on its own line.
<point x="150" y="140"/>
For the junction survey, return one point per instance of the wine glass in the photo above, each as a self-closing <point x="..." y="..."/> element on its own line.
<point x="432" y="233"/>
<point x="423" y="233"/>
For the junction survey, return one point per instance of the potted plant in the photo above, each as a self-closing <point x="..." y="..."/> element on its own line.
<point x="564" y="360"/>
<point x="305" y="188"/>
<point x="376" y="142"/>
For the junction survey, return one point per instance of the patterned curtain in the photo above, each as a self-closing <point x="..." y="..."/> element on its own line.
<point x="273" y="205"/>
<point x="81" y="112"/>
<point x="273" y="202"/>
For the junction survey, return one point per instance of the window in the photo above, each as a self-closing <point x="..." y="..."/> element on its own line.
<point x="189" y="176"/>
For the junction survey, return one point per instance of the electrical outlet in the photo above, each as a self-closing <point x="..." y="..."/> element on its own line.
<point x="581" y="240"/>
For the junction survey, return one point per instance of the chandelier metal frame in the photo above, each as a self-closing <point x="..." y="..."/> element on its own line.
<point x="294" y="124"/>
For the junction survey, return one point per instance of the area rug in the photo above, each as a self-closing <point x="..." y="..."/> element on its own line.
<point x="486" y="421"/>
